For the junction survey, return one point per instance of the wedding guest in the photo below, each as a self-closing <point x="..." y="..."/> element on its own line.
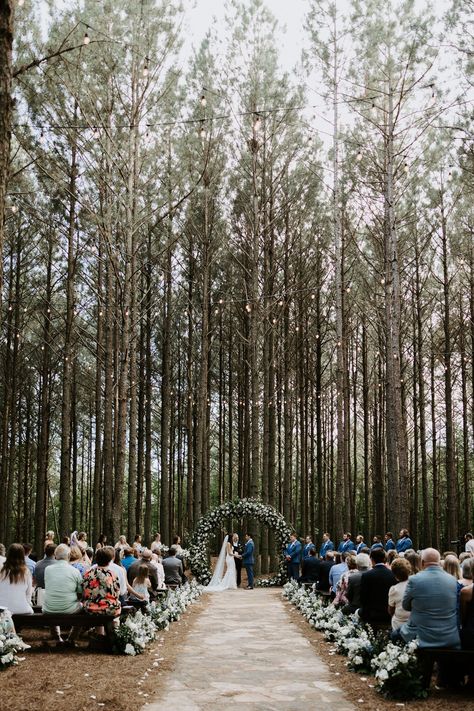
<point x="431" y="597"/>
<point x="101" y="587"/>
<point x="121" y="545"/>
<point x="310" y="568"/>
<point x="414" y="559"/>
<point x="451" y="566"/>
<point x="49" y="539"/>
<point x="156" y="544"/>
<point x="101" y="542"/>
<point x="347" y="544"/>
<point x="30" y="564"/>
<point x="324" y="570"/>
<point x="157" y="561"/>
<point x="336" y="572"/>
<point x="353" y="588"/>
<point x="16" y="582"/>
<point x="401" y="569"/>
<point x="308" y="547"/>
<point x="469" y="543"/>
<point x="327" y="545"/>
<point x="293" y="556"/>
<point x="343" y="584"/>
<point x="177" y="545"/>
<point x="404" y="542"/>
<point x="389" y="542"/>
<point x="467" y="607"/>
<point x="62" y="585"/>
<point x="374" y="587"/>
<point x="466" y="572"/>
<point x="2" y="554"/>
<point x="76" y="559"/>
<point x="116" y="567"/>
<point x="145" y="558"/>
<point x="391" y="556"/>
<point x="141" y="585"/>
<point x="41" y="566"/>
<point x="173" y="568"/>
<point x="360" y="543"/>
<point x="128" y="558"/>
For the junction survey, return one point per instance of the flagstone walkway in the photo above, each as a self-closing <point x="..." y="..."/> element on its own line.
<point x="244" y="652"/>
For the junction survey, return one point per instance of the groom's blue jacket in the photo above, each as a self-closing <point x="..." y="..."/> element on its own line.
<point x="247" y="556"/>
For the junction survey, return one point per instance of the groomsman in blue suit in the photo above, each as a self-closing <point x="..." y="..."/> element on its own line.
<point x="389" y="542"/>
<point x="308" y="547"/>
<point x="327" y="545"/>
<point x="347" y="544"/>
<point x="404" y="542"/>
<point x="293" y="557"/>
<point x="248" y="559"/>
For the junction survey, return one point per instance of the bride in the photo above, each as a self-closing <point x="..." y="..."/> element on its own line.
<point x="219" y="581"/>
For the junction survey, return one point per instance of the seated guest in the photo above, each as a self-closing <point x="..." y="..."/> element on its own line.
<point x="353" y="587"/>
<point x="128" y="558"/>
<point x="376" y="543"/>
<point x="469" y="543"/>
<point x="41" y="566"/>
<point x="342" y="585"/>
<point x="374" y="587"/>
<point x="101" y="588"/>
<point x="76" y="559"/>
<point x="141" y="585"/>
<point x="401" y="569"/>
<point x="137" y="544"/>
<point x="308" y="547"/>
<point x="389" y="542"/>
<point x="391" y="556"/>
<point x="173" y="568"/>
<point x="327" y="545"/>
<point x="431" y="597"/>
<point x="467" y="608"/>
<point x="30" y="564"/>
<point x="101" y="542"/>
<point x="157" y="561"/>
<point x="16" y="582"/>
<point x="404" y="542"/>
<point x="121" y="545"/>
<point x="62" y="585"/>
<point x="156" y="544"/>
<point x="360" y="543"/>
<point x="336" y="572"/>
<point x="414" y="559"/>
<point x="451" y="566"/>
<point x="145" y="559"/>
<point x="310" y="568"/>
<point x="324" y="570"/>
<point x="116" y="566"/>
<point x="466" y="572"/>
<point x="3" y="556"/>
<point x="347" y="544"/>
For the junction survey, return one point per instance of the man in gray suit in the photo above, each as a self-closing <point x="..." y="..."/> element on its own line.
<point x="431" y="597"/>
<point x="173" y="568"/>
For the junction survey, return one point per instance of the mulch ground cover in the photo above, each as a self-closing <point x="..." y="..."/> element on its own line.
<point x="360" y="688"/>
<point x="83" y="679"/>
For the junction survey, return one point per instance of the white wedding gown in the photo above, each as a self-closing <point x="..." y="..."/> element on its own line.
<point x="219" y="581"/>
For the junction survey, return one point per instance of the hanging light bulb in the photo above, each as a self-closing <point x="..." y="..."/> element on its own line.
<point x="203" y="101"/>
<point x="14" y="209"/>
<point x="257" y="124"/>
<point x="86" y="39"/>
<point x="359" y="155"/>
<point x="202" y="132"/>
<point x="95" y="134"/>
<point x="405" y="167"/>
<point x="145" y="68"/>
<point x="21" y="3"/>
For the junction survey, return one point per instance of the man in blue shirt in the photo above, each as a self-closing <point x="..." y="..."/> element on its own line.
<point x="389" y="542"/>
<point x="327" y="545"/>
<point x="346" y="544"/>
<point x="336" y="572"/>
<point x="30" y="564"/>
<point x="404" y="542"/>
<point x="308" y="547"/>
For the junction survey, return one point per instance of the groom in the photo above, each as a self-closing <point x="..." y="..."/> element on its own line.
<point x="248" y="559"/>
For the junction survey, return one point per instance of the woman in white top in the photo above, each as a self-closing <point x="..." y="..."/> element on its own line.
<point x="160" y="571"/>
<point x="156" y="544"/>
<point x="401" y="569"/>
<point x="16" y="584"/>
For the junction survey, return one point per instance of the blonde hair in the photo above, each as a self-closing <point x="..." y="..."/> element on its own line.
<point x="75" y="554"/>
<point x="451" y="566"/>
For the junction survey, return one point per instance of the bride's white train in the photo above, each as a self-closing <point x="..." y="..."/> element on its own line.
<point x="220" y="581"/>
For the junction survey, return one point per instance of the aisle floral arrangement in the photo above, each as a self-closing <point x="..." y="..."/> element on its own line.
<point x="10" y="642"/>
<point x="395" y="666"/>
<point x="140" y="629"/>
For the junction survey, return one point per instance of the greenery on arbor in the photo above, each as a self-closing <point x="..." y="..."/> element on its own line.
<point x="208" y="292"/>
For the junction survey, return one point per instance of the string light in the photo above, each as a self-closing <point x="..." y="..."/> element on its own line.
<point x="145" y="68"/>
<point x="359" y="155"/>
<point x="203" y="101"/>
<point x="405" y="167"/>
<point x="86" y="39"/>
<point x="21" y="3"/>
<point x="257" y="124"/>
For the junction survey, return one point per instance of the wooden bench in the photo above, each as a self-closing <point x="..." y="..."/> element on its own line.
<point x="459" y="661"/>
<point x="80" y="619"/>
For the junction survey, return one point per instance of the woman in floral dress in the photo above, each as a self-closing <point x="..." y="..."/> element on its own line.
<point x="101" y="588"/>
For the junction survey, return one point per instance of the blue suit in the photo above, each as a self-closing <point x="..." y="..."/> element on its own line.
<point x="328" y="546"/>
<point x="360" y="546"/>
<point x="346" y="546"/>
<point x="431" y="596"/>
<point x="306" y="550"/>
<point x="293" y="552"/>
<point x="374" y="546"/>
<point x="249" y="561"/>
<point x="403" y="544"/>
<point x="390" y="545"/>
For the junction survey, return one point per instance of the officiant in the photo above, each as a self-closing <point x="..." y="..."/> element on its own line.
<point x="238" y="550"/>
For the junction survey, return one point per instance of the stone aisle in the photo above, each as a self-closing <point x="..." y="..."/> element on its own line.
<point x="244" y="652"/>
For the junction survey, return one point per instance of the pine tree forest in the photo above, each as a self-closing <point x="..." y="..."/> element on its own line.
<point x="211" y="289"/>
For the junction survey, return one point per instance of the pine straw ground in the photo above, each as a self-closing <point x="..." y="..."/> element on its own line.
<point x="83" y="680"/>
<point x="359" y="688"/>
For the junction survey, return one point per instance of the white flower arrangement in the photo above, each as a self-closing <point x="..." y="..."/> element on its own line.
<point x="140" y="629"/>
<point x="10" y="642"/>
<point x="242" y="508"/>
<point x="395" y="666"/>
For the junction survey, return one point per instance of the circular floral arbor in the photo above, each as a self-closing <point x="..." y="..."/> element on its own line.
<point x="209" y="524"/>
